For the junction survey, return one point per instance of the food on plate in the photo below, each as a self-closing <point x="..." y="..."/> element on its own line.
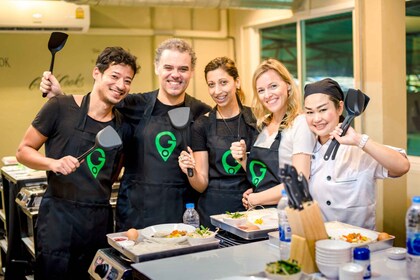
<point x="119" y="238"/>
<point x="355" y="237"/>
<point x="132" y="234"/>
<point x="173" y="234"/>
<point x="249" y="227"/>
<point x="383" y="236"/>
<point x="201" y="232"/>
<point x="259" y="221"/>
<point x="282" y="267"/>
<point x="235" y="215"/>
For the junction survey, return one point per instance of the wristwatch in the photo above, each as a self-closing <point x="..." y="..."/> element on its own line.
<point x="363" y="141"/>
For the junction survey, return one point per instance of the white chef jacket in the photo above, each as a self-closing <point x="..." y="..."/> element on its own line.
<point x="345" y="188"/>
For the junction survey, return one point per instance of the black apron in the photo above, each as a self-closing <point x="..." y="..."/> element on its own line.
<point x="75" y="214"/>
<point x="155" y="192"/>
<point x="227" y="178"/>
<point x="263" y="166"/>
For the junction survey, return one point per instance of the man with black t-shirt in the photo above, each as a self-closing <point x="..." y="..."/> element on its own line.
<point x="75" y="214"/>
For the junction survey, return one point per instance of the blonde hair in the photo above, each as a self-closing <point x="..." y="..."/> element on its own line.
<point x="263" y="115"/>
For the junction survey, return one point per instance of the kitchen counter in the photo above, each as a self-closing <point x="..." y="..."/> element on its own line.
<point x="243" y="260"/>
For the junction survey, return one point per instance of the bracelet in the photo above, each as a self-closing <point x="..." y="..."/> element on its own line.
<point x="363" y="141"/>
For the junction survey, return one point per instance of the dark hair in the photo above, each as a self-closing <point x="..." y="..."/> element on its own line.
<point x="336" y="103"/>
<point x="228" y="65"/>
<point x="178" y="45"/>
<point x="114" y="56"/>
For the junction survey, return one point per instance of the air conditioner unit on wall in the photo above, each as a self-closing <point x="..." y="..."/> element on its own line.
<point x="43" y="16"/>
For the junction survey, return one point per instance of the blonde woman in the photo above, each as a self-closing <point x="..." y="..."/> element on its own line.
<point x="284" y="138"/>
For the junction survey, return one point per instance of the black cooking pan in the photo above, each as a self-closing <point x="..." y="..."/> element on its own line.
<point x="180" y="118"/>
<point x="107" y="139"/>
<point x="355" y="104"/>
<point x="55" y="44"/>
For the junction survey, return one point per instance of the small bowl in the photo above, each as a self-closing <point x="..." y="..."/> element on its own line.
<point x="198" y="240"/>
<point x="351" y="271"/>
<point x="396" y="253"/>
<point x="330" y="271"/>
<point x="274" y="276"/>
<point x="235" y="221"/>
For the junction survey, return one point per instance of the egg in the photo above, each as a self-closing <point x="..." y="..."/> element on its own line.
<point x="383" y="236"/>
<point x="132" y="234"/>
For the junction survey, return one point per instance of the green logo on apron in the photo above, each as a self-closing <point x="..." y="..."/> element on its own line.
<point x="252" y="168"/>
<point x="165" y="152"/>
<point x="226" y="166"/>
<point x="95" y="168"/>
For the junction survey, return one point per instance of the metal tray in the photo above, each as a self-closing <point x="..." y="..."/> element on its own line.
<point x="373" y="246"/>
<point x="146" y="250"/>
<point x="217" y="220"/>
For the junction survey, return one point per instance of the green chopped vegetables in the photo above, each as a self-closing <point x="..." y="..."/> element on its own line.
<point x="201" y="232"/>
<point x="283" y="267"/>
<point x="235" y="215"/>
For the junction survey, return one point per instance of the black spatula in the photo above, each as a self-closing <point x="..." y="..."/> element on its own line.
<point x="55" y="44"/>
<point x="107" y="139"/>
<point x="180" y="118"/>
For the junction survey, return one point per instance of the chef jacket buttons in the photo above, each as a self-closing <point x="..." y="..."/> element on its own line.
<point x="328" y="202"/>
<point x="313" y="156"/>
<point x="329" y="178"/>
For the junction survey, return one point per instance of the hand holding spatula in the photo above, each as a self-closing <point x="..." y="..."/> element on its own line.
<point x="55" y="44"/>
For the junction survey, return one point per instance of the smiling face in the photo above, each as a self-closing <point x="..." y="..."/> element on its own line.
<point x="272" y="92"/>
<point x="175" y="71"/>
<point x="222" y="87"/>
<point x="322" y="115"/>
<point x="114" y="83"/>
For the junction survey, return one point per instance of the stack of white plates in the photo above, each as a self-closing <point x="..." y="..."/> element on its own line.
<point x="330" y="255"/>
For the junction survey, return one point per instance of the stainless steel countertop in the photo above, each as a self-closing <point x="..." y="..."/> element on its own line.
<point x="245" y="260"/>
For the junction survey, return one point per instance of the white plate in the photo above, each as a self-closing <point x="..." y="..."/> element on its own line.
<point x="337" y="234"/>
<point x="264" y="219"/>
<point x="396" y="253"/>
<point x="151" y="232"/>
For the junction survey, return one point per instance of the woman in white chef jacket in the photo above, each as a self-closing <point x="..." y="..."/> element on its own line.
<point x="345" y="187"/>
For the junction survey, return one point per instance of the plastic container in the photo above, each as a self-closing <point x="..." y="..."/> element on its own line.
<point x="412" y="222"/>
<point x="191" y="216"/>
<point x="362" y="256"/>
<point x="285" y="232"/>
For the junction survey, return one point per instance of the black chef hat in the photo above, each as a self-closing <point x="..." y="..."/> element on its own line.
<point x="327" y="86"/>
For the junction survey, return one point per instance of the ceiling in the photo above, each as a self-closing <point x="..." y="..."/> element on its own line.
<point x="221" y="4"/>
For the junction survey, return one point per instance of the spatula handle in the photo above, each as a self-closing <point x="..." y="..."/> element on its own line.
<point x="190" y="172"/>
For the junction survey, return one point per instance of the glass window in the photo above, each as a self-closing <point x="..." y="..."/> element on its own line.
<point x="328" y="49"/>
<point x="413" y="77"/>
<point x="280" y="42"/>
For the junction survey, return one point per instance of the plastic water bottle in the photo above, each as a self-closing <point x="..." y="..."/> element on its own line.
<point x="285" y="232"/>
<point x="412" y="222"/>
<point x="191" y="216"/>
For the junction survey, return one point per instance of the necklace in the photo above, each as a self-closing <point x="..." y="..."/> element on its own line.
<point x="227" y="126"/>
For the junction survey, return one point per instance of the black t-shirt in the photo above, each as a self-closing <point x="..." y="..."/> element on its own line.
<point x="161" y="109"/>
<point x="227" y="127"/>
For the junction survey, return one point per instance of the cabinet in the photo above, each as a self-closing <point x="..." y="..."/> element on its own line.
<point x="17" y="255"/>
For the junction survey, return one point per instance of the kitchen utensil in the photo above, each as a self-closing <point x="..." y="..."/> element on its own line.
<point x="55" y="44"/>
<point x="296" y="186"/>
<point x="107" y="139"/>
<point x="180" y="118"/>
<point x="355" y="104"/>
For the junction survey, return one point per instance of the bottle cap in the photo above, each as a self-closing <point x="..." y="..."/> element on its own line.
<point x="416" y="199"/>
<point x="283" y="192"/>
<point x="189" y="205"/>
<point x="361" y="254"/>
